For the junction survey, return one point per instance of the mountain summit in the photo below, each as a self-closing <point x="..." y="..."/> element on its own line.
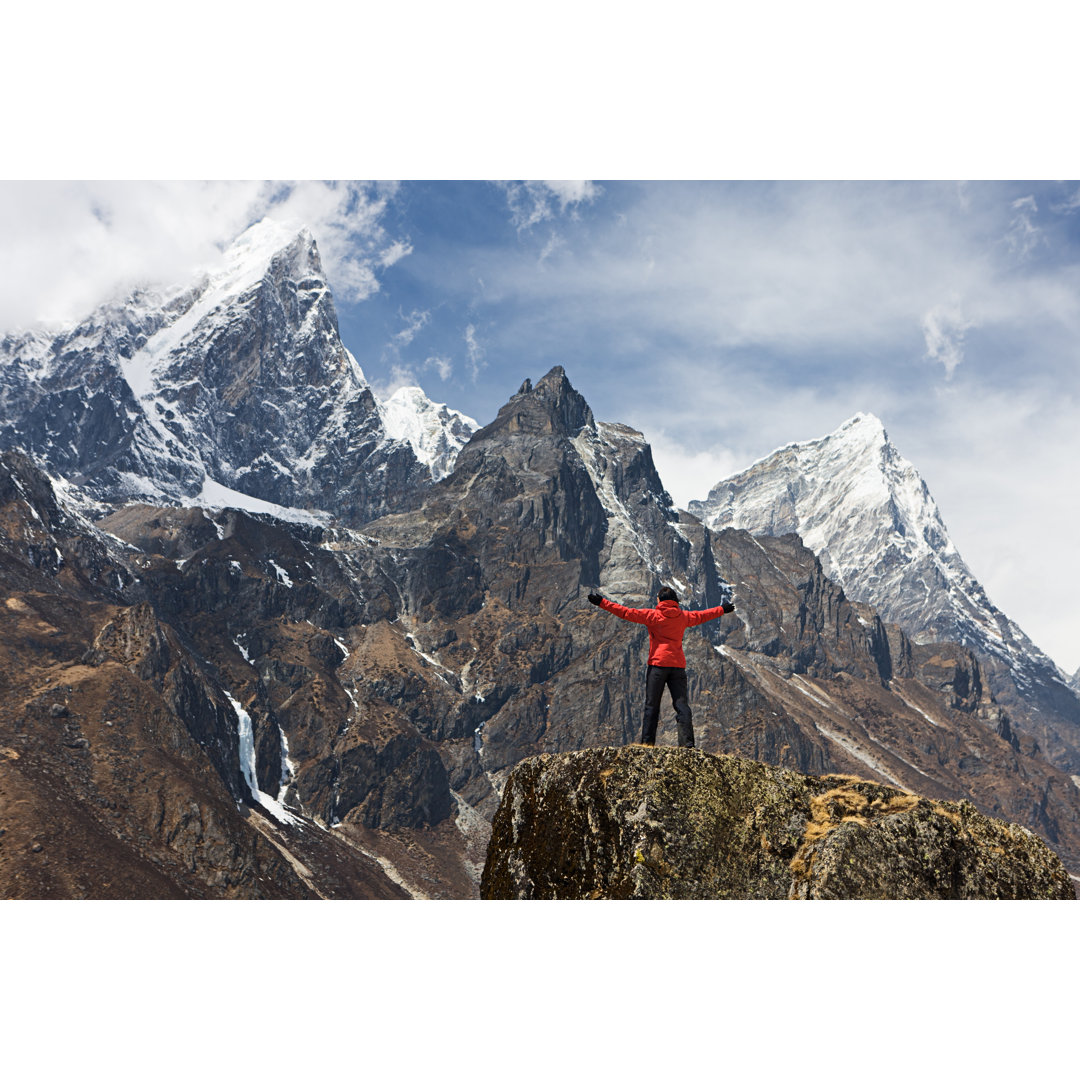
<point x="867" y="514"/>
<point x="231" y="389"/>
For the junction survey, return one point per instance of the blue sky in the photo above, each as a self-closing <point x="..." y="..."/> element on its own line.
<point x="721" y="319"/>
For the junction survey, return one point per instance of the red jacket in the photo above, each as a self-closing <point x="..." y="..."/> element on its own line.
<point x="667" y="622"/>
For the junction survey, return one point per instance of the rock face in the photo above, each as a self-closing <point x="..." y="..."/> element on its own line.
<point x="666" y="823"/>
<point x="863" y="509"/>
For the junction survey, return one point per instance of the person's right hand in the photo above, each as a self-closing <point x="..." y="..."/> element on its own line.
<point x="727" y="607"/>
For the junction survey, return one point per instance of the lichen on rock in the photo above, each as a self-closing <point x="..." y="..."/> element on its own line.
<point x="676" y="823"/>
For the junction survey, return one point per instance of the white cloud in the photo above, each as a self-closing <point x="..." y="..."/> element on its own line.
<point x="534" y="201"/>
<point x="394" y="253"/>
<point x="555" y="241"/>
<point x="415" y="321"/>
<point x="400" y="375"/>
<point x="1024" y="236"/>
<point x="69" y="246"/>
<point x="790" y="267"/>
<point x="1069" y="204"/>
<point x="570" y="192"/>
<point x="475" y="352"/>
<point x="345" y="218"/>
<point x="944" y="327"/>
<point x="690" y="474"/>
<point x="822" y="281"/>
<point x="442" y="364"/>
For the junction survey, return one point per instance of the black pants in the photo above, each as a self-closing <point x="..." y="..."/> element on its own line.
<point x="674" y="678"/>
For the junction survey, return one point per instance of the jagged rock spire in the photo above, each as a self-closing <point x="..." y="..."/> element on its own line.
<point x="551" y="407"/>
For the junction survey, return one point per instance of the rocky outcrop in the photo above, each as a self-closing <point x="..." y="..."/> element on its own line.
<point x="671" y="823"/>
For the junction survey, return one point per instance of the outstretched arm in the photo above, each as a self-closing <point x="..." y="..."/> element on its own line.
<point x="698" y="617"/>
<point x="637" y="615"/>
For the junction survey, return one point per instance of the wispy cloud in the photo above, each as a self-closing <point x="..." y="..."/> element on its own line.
<point x="415" y="321"/>
<point x="555" y="241"/>
<point x="398" y="376"/>
<point x="944" y="327"/>
<point x="534" y="201"/>
<point x="346" y="219"/>
<point x="847" y="275"/>
<point x="1024" y="236"/>
<point x="394" y="253"/>
<point x="1068" y="204"/>
<point x="443" y="365"/>
<point x="474" y="352"/>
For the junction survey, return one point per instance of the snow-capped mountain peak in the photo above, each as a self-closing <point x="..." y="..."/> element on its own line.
<point x="851" y="496"/>
<point x="249" y="255"/>
<point x="246" y="263"/>
<point x="238" y="382"/>
<point x="867" y="514"/>
<point x="435" y="431"/>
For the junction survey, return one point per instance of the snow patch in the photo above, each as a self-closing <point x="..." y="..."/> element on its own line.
<point x="288" y="769"/>
<point x="431" y="660"/>
<point x="282" y="575"/>
<point x="915" y="708"/>
<point x="215" y="495"/>
<point x="818" y="697"/>
<point x="218" y="527"/>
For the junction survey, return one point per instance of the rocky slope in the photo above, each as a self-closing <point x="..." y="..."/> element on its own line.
<point x="123" y="766"/>
<point x="650" y="823"/>
<point x="867" y="514"/>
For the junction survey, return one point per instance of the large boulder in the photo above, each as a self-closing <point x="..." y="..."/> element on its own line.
<point x="677" y="823"/>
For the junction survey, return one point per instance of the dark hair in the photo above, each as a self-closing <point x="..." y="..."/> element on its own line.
<point x="667" y="593"/>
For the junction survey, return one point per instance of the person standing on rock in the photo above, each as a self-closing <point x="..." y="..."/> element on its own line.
<point x="667" y="622"/>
